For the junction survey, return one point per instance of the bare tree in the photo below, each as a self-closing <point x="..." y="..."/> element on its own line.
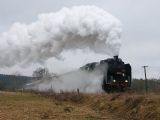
<point x="41" y="73"/>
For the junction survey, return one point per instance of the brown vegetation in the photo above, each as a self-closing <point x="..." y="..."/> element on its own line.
<point x="63" y="106"/>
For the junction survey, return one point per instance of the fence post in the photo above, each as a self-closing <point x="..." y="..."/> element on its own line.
<point x="78" y="91"/>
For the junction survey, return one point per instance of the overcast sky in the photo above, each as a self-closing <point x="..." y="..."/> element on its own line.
<point x="140" y="37"/>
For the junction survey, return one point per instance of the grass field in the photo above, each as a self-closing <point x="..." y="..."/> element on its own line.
<point x="71" y="106"/>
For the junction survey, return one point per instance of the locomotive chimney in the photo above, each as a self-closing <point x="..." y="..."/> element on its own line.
<point x="116" y="57"/>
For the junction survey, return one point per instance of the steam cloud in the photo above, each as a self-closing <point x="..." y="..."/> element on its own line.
<point x="84" y="80"/>
<point x="80" y="27"/>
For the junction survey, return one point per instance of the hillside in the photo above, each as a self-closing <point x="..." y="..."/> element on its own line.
<point x="71" y="106"/>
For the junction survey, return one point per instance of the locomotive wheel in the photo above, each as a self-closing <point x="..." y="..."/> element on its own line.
<point x="106" y="87"/>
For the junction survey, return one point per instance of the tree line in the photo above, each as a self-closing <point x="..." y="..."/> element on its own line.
<point x="17" y="81"/>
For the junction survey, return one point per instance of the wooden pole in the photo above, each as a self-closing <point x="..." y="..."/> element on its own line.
<point x="146" y="81"/>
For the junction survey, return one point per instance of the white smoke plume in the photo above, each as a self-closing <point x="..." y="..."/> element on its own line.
<point x="80" y="27"/>
<point x="85" y="80"/>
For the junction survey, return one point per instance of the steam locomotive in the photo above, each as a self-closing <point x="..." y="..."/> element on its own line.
<point x="117" y="74"/>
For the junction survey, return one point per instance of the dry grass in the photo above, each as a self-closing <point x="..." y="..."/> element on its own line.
<point x="130" y="107"/>
<point x="73" y="106"/>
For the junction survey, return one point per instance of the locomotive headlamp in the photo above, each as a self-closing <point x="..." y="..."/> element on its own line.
<point x="126" y="80"/>
<point x="114" y="80"/>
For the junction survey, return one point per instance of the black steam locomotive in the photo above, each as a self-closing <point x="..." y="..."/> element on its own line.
<point x="117" y="75"/>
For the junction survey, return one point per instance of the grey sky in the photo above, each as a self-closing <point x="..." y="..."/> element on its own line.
<point x="140" y="37"/>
